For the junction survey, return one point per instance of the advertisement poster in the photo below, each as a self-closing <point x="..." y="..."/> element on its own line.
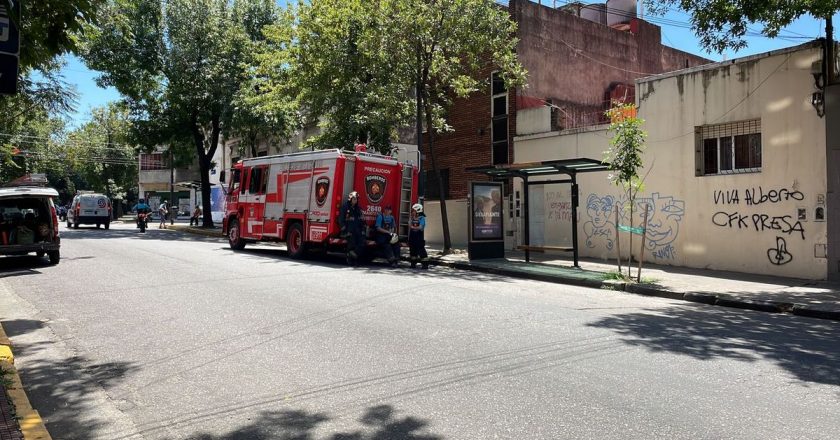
<point x="487" y="211"/>
<point x="217" y="203"/>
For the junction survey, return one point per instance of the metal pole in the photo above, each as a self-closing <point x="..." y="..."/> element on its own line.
<point x="527" y="220"/>
<point x="574" y="220"/>
<point x="829" y="51"/>
<point x="642" y="250"/>
<point x="171" y="186"/>
<point x="617" y="241"/>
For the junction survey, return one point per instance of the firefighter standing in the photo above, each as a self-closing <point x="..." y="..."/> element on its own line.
<point x="416" y="239"/>
<point x="350" y="220"/>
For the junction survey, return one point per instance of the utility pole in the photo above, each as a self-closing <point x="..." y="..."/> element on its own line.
<point x="171" y="187"/>
<point x="105" y="169"/>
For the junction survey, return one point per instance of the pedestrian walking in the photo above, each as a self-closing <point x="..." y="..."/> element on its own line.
<point x="416" y="238"/>
<point x="162" y="211"/>
<point x="195" y="215"/>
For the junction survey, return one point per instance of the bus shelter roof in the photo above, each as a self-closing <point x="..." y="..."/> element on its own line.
<point x="546" y="168"/>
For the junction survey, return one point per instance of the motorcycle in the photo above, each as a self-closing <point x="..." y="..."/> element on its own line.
<point x="143" y="220"/>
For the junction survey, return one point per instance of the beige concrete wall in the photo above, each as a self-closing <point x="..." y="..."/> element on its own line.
<point x="457" y="212"/>
<point x="692" y="223"/>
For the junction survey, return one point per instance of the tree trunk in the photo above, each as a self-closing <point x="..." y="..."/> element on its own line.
<point x="205" y="156"/>
<point x="447" y="241"/>
<point x="630" y="248"/>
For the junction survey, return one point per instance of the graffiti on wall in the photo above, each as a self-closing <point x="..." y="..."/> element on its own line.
<point x="665" y="213"/>
<point x="779" y="255"/>
<point x="759" y="222"/>
<point x="599" y="230"/>
<point x="558" y="206"/>
<point x="780" y="225"/>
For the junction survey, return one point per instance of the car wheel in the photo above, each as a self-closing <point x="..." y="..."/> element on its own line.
<point x="40" y="254"/>
<point x="55" y="257"/>
<point x="234" y="236"/>
<point x="294" y="241"/>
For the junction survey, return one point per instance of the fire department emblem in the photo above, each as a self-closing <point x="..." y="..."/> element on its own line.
<point x="322" y="188"/>
<point x="375" y="188"/>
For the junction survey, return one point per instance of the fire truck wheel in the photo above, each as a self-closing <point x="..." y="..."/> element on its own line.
<point x="234" y="238"/>
<point x="294" y="242"/>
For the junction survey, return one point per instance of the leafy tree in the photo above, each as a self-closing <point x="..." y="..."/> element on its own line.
<point x="722" y="24"/>
<point x="51" y="28"/>
<point x="445" y="45"/>
<point x="363" y="67"/>
<point x="326" y="58"/>
<point x="179" y="66"/>
<point x="625" y="156"/>
<point x="100" y="153"/>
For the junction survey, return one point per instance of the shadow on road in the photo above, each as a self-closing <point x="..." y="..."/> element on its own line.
<point x="269" y="255"/>
<point x="64" y="391"/>
<point x="809" y="349"/>
<point x="377" y="423"/>
<point x="134" y="233"/>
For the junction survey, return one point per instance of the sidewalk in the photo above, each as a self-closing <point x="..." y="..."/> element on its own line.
<point x="818" y="299"/>
<point x="18" y="420"/>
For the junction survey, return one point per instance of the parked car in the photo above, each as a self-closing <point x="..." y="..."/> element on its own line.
<point x="89" y="209"/>
<point x="28" y="222"/>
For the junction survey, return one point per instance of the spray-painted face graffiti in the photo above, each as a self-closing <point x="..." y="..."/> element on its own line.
<point x="664" y="217"/>
<point x="599" y="229"/>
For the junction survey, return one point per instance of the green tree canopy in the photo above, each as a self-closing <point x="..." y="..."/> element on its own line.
<point x="180" y="65"/>
<point x="722" y="24"/>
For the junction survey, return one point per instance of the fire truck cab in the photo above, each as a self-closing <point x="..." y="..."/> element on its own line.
<point x="296" y="198"/>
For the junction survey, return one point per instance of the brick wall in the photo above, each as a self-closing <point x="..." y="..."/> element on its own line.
<point x="570" y="61"/>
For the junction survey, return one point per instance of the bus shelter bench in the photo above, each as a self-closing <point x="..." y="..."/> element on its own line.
<point x="545" y="248"/>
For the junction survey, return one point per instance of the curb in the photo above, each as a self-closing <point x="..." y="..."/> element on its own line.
<point x="196" y="231"/>
<point x="713" y="299"/>
<point x="709" y="298"/>
<point x="30" y="422"/>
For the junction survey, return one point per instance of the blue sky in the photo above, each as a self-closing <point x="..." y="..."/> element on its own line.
<point x="674" y="34"/>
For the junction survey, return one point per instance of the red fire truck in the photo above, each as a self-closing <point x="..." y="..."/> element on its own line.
<point x="296" y="198"/>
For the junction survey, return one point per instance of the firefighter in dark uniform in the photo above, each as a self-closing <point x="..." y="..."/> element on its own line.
<point x="416" y="240"/>
<point x="351" y="222"/>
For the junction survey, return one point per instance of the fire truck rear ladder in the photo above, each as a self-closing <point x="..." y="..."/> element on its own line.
<point x="405" y="202"/>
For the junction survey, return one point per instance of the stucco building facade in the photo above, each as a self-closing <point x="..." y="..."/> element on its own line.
<point x="575" y="65"/>
<point x="735" y="175"/>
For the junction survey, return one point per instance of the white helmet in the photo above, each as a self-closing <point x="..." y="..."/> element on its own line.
<point x="417" y="207"/>
<point x="353" y="195"/>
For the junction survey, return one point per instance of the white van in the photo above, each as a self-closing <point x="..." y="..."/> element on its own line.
<point x="89" y="209"/>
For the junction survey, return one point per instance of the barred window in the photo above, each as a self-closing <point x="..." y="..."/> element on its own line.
<point x="728" y="148"/>
<point x="151" y="161"/>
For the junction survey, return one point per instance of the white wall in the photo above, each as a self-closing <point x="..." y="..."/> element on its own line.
<point x="692" y="224"/>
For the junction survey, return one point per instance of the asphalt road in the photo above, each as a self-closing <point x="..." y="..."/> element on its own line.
<point x="172" y="336"/>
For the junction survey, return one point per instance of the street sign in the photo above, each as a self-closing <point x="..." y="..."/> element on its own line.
<point x="9" y="48"/>
<point x="8" y="74"/>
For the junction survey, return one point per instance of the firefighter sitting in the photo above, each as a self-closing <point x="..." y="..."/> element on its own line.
<point x="386" y="237"/>
<point x="350" y="220"/>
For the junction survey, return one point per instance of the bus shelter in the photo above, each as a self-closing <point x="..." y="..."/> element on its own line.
<point x="569" y="168"/>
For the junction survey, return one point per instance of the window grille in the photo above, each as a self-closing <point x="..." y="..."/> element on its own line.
<point x="728" y="148"/>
